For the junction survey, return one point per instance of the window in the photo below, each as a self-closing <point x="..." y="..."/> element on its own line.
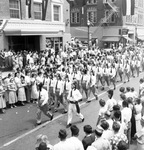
<point x="108" y="17"/>
<point x="56" y="13"/>
<point x="14" y="7"/>
<point x="92" y="16"/>
<point x="75" y="17"/>
<point x="92" y="2"/>
<point x="38" y="11"/>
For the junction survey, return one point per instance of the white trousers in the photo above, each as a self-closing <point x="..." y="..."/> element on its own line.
<point x="71" y="110"/>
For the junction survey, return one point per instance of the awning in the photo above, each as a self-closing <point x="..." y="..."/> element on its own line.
<point x="141" y="38"/>
<point x="110" y="38"/>
<point x="81" y="32"/>
<point x="127" y="38"/>
<point x="26" y="32"/>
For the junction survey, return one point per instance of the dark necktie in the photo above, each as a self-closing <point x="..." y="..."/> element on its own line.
<point x="65" y="86"/>
<point x="56" y="84"/>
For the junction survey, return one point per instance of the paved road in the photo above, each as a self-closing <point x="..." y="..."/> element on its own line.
<point x="17" y="126"/>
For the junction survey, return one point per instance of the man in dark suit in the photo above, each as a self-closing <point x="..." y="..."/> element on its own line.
<point x="89" y="137"/>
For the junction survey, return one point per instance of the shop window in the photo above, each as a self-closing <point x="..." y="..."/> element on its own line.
<point x="92" y="2"/>
<point x="38" y="11"/>
<point x="56" y="9"/>
<point x="14" y="6"/>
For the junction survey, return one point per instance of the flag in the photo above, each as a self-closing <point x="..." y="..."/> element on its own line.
<point x="128" y="7"/>
<point x="28" y="4"/>
<point x="44" y="9"/>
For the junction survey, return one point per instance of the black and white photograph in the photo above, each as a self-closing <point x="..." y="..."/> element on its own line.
<point x="71" y="74"/>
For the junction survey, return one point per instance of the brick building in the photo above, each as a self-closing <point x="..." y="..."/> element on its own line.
<point x="110" y="26"/>
<point x="34" y="24"/>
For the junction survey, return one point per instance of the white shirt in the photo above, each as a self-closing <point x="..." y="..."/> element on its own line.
<point x="77" y="144"/>
<point x="58" y="84"/>
<point x="110" y="103"/>
<point x="74" y="95"/>
<point x="43" y="96"/>
<point x="28" y="79"/>
<point x="126" y="114"/>
<point x="64" y="145"/>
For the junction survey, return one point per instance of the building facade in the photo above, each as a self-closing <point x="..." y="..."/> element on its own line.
<point x="108" y="23"/>
<point x="34" y="24"/>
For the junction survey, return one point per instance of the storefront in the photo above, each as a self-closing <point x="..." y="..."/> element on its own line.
<point x="33" y="35"/>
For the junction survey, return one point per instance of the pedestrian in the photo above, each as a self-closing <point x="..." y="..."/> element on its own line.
<point x="89" y="137"/>
<point x="2" y="100"/>
<point x="100" y="143"/>
<point x="21" y="90"/>
<point x="43" y="143"/>
<point x="74" y="97"/>
<point x="42" y="104"/>
<point x="63" y="144"/>
<point x="12" y="93"/>
<point x="139" y="136"/>
<point x="77" y="144"/>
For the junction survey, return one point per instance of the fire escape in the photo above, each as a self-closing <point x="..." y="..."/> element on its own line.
<point x="113" y="9"/>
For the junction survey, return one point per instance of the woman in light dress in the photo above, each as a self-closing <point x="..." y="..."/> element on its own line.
<point x="2" y="100"/>
<point x="34" y="91"/>
<point x="21" y="90"/>
<point x="12" y="93"/>
<point x="138" y="111"/>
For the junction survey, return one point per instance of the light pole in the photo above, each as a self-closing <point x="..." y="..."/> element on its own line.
<point x="88" y="24"/>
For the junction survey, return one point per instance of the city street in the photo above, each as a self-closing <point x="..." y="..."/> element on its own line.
<point x="18" y="126"/>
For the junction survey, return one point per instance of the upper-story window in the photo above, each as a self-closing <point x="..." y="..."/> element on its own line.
<point x="92" y="15"/>
<point x="109" y="18"/>
<point x="14" y="6"/>
<point x="75" y="16"/>
<point x="38" y="11"/>
<point x="92" y="2"/>
<point x="56" y="12"/>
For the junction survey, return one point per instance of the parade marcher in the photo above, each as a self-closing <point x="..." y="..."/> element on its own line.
<point x="34" y="93"/>
<point x="92" y="87"/>
<point x="127" y="72"/>
<point x="85" y="82"/>
<point x="58" y="91"/>
<point x="42" y="103"/>
<point x="112" y="75"/>
<point x="28" y="87"/>
<point x="73" y="98"/>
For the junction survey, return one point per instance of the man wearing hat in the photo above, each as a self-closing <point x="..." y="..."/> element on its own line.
<point x="100" y="143"/>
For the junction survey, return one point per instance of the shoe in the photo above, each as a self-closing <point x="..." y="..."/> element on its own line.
<point x="14" y="106"/>
<point x="22" y="104"/>
<point x="88" y="101"/>
<point x="51" y="118"/>
<point x="68" y="125"/>
<point x="64" y="112"/>
<point x="96" y="97"/>
<point x="83" y="120"/>
<point x="38" y="123"/>
<point x="11" y="106"/>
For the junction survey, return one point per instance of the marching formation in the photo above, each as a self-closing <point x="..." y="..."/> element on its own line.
<point x="52" y="78"/>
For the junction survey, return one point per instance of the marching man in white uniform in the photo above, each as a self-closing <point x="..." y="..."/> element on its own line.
<point x="74" y="97"/>
<point x="43" y="104"/>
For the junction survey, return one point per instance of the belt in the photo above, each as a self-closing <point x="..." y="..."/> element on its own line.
<point x="72" y="102"/>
